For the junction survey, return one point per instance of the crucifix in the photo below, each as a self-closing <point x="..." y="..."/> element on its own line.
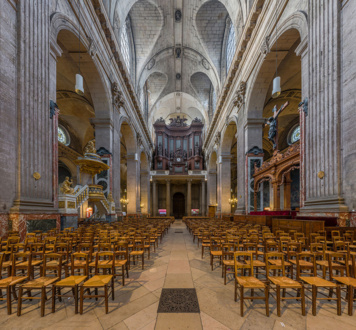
<point x="273" y="125"/>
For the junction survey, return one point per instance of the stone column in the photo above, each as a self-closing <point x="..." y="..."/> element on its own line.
<point x="154" y="198"/>
<point x="276" y="196"/>
<point x="252" y="147"/>
<point x="211" y="187"/>
<point x="323" y="123"/>
<point x="132" y="184"/>
<point x="189" y="197"/>
<point x="287" y="192"/>
<point x="225" y="183"/>
<point x="203" y="199"/>
<point x="168" y="197"/>
<point x="35" y="149"/>
<point x="145" y="191"/>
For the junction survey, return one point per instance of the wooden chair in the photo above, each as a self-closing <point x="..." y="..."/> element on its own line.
<point x="138" y="250"/>
<point x="282" y="282"/>
<point x="253" y="247"/>
<point x="316" y="282"/>
<point x="248" y="282"/>
<point x="228" y="250"/>
<point x="215" y="250"/>
<point x="100" y="281"/>
<point x="42" y="282"/>
<point x="121" y="255"/>
<point x="9" y="283"/>
<point x="72" y="281"/>
<point x="347" y="280"/>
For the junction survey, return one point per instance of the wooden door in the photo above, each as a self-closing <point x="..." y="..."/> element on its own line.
<point x="178" y="205"/>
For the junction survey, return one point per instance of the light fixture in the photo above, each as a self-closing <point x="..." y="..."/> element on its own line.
<point x="79" y="86"/>
<point x="276" y="87"/>
<point x="276" y="91"/>
<point x="233" y="201"/>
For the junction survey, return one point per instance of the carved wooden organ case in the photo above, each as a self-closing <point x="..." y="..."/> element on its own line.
<point x="178" y="146"/>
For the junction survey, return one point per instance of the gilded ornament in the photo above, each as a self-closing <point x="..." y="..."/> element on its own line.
<point x="321" y="175"/>
<point x="36" y="175"/>
<point x="66" y="187"/>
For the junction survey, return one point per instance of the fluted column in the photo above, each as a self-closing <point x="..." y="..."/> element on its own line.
<point x="35" y="149"/>
<point x="225" y="183"/>
<point x="154" y="198"/>
<point x="132" y="184"/>
<point x="168" y="197"/>
<point x="189" y="197"/>
<point x="323" y="123"/>
<point x="203" y="199"/>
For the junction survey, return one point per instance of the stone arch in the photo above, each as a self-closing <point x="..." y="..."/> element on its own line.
<point x="128" y="133"/>
<point x="144" y="183"/>
<point x="229" y="135"/>
<point x="93" y="74"/>
<point x="296" y="21"/>
<point x="212" y="160"/>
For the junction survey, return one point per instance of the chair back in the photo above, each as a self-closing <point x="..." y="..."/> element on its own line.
<point x="20" y="259"/>
<point x="52" y="262"/>
<point x="247" y="263"/>
<point x="280" y="266"/>
<point x="301" y="268"/>
<point x="104" y="260"/>
<point x="338" y="262"/>
<point x="80" y="262"/>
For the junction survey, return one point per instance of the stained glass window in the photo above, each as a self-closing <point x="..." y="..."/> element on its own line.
<point x="295" y="135"/>
<point x="125" y="46"/>
<point x="63" y="136"/>
<point x="230" y="47"/>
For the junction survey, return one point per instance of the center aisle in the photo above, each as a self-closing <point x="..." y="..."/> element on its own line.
<point x="179" y="275"/>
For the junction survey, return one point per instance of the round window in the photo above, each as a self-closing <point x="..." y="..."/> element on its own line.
<point x="294" y="135"/>
<point x="63" y="136"/>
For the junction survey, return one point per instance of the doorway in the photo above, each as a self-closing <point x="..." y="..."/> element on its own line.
<point x="178" y="205"/>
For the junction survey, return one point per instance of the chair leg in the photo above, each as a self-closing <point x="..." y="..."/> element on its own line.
<point x="76" y="299"/>
<point x="267" y="299"/>
<point x="53" y="298"/>
<point x="278" y="289"/>
<point x="8" y="299"/>
<point x="235" y="290"/>
<point x="19" y="302"/>
<point x="123" y="274"/>
<point x="112" y="289"/>
<point x="242" y="301"/>
<point x="303" y="300"/>
<point x="338" y="296"/>
<point x="314" y="294"/>
<point x="81" y="299"/>
<point x="350" y="290"/>
<point x="106" y="299"/>
<point x="43" y="297"/>
<point x="143" y="261"/>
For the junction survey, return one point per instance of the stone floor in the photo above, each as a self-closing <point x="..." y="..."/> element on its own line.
<point x="177" y="264"/>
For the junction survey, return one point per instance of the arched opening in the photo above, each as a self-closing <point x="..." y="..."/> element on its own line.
<point x="129" y="184"/>
<point x="280" y="134"/>
<point x="227" y="170"/>
<point x="144" y="184"/>
<point x="179" y="205"/>
<point x="212" y="184"/>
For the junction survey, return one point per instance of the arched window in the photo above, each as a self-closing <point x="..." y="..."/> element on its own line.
<point x="63" y="136"/>
<point x="294" y="134"/>
<point x="230" y="46"/>
<point x="125" y="45"/>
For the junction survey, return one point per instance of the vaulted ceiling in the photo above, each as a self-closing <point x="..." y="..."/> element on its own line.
<point x="178" y="59"/>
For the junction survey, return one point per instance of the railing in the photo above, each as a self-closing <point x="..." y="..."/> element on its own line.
<point x="106" y="205"/>
<point x="81" y="194"/>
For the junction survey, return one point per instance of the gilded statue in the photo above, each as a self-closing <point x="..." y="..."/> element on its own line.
<point x="66" y="187"/>
<point x="110" y="198"/>
<point x="90" y="148"/>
